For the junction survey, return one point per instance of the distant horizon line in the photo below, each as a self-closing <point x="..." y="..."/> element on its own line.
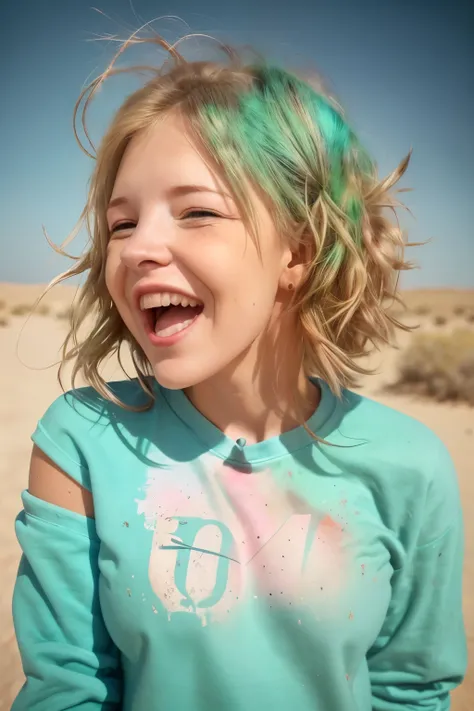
<point x="41" y="284"/>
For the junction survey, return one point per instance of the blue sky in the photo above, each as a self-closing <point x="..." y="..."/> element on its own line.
<point x="402" y="69"/>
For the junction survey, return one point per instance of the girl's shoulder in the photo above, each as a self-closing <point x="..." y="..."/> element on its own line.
<point x="386" y="428"/>
<point x="86" y="406"/>
<point x="81" y="423"/>
<point x="405" y="464"/>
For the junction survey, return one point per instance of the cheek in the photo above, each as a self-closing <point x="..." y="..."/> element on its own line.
<point x="114" y="276"/>
<point x="252" y="284"/>
<point x="247" y="297"/>
<point x="237" y="270"/>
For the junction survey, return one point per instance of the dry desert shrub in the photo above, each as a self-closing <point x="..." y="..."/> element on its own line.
<point x="3" y="321"/>
<point x="42" y="310"/>
<point x="21" y="309"/>
<point x="3" y="304"/>
<point x="422" y="310"/>
<point x="439" y="365"/>
<point x="64" y="315"/>
<point x="440" y="320"/>
<point x="27" y="309"/>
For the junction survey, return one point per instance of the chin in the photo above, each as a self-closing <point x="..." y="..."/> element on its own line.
<point x="175" y="374"/>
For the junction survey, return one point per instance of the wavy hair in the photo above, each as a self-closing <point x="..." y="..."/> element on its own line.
<point x="261" y="123"/>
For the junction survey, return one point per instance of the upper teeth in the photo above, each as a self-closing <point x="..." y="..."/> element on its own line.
<point x="154" y="301"/>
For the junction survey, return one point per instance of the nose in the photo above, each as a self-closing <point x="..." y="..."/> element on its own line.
<point x="147" y="247"/>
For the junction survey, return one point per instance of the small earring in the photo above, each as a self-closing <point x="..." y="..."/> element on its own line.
<point x="290" y="286"/>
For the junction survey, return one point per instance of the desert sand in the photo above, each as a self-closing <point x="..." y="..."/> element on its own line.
<point x="28" y="384"/>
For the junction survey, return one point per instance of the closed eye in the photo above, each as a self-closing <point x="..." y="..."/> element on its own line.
<point x="121" y="227"/>
<point x="197" y="214"/>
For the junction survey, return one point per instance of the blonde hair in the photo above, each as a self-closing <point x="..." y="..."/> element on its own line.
<point x="261" y="123"/>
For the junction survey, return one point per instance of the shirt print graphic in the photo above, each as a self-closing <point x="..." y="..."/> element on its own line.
<point x="222" y="539"/>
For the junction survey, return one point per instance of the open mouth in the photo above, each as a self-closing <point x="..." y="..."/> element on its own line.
<point x="169" y="314"/>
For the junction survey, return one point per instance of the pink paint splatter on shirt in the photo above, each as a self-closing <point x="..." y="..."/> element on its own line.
<point x="281" y="548"/>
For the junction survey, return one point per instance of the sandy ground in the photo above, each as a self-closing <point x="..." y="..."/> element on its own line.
<point x="28" y="386"/>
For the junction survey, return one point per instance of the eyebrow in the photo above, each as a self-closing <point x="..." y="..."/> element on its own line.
<point x="176" y="191"/>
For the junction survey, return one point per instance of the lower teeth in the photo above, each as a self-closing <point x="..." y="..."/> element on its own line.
<point x="171" y="330"/>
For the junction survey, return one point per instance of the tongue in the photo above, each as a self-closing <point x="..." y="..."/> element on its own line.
<point x="175" y="315"/>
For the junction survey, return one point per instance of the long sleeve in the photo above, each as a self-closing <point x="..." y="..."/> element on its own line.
<point x="69" y="659"/>
<point x="420" y="655"/>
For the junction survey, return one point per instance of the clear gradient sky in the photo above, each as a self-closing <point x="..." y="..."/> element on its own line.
<point x="403" y="70"/>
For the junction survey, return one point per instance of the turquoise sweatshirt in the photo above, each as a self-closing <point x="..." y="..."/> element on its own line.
<point x="217" y="576"/>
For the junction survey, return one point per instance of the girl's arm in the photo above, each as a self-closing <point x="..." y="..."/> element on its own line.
<point x="420" y="655"/>
<point x="68" y="657"/>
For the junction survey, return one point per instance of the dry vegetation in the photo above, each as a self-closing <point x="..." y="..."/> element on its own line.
<point x="20" y="310"/>
<point x="439" y="365"/>
<point x="27" y="309"/>
<point x="3" y="317"/>
<point x="437" y="360"/>
<point x="64" y="315"/>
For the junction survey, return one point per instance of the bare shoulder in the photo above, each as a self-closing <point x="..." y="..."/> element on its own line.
<point x="50" y="483"/>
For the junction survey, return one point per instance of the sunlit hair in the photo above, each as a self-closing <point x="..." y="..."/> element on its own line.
<point x="263" y="125"/>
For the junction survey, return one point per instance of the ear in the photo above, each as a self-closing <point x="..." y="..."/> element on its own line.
<point x="296" y="261"/>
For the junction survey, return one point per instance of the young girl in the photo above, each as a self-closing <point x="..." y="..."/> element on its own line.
<point x="234" y="529"/>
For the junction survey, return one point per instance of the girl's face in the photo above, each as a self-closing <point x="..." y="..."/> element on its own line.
<point x="185" y="276"/>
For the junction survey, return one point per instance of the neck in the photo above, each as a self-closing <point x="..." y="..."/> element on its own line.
<point x="262" y="395"/>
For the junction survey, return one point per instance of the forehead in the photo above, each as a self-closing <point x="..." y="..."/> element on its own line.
<point x="166" y="154"/>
